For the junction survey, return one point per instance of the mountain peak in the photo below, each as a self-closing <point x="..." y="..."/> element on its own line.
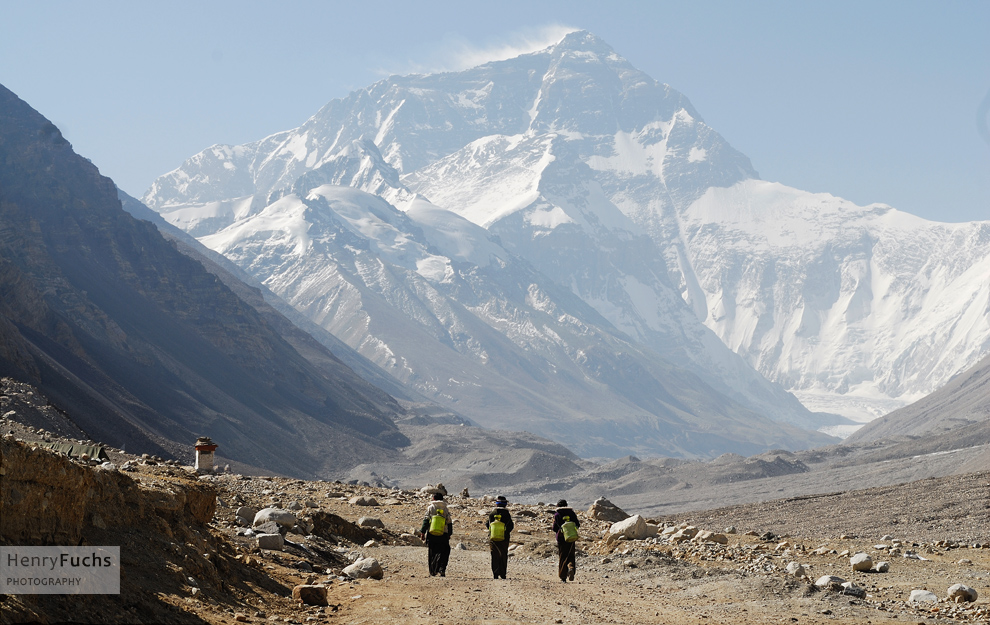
<point x="585" y="41"/>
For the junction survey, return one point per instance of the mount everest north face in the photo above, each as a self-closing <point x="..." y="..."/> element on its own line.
<point x="559" y="243"/>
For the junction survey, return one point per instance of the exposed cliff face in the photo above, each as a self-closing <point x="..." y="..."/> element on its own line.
<point x="74" y="500"/>
<point x="145" y="346"/>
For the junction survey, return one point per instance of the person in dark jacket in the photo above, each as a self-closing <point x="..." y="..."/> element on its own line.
<point x="500" y="548"/>
<point x="438" y="547"/>
<point x="566" y="552"/>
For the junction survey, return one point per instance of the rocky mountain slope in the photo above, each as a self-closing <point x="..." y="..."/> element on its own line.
<point x="611" y="184"/>
<point x="143" y="345"/>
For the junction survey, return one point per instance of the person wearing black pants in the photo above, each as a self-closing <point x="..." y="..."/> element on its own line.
<point x="437" y="546"/>
<point x="566" y="552"/>
<point x="500" y="548"/>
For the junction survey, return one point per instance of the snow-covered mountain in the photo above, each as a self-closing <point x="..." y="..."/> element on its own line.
<point x="593" y="176"/>
<point x="430" y="298"/>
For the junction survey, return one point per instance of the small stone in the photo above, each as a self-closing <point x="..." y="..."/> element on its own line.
<point x="371" y="543"/>
<point x="881" y="567"/>
<point x="851" y="589"/>
<point x="240" y="618"/>
<point x="295" y="505"/>
<point x="795" y="569"/>
<point x="922" y="596"/>
<point x="310" y="594"/>
<point x="629" y="564"/>
<point x="861" y="562"/>
<point x="729" y="530"/>
<point x="461" y="546"/>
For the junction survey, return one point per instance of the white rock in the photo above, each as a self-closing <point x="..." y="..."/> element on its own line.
<point x="852" y="589"/>
<point x="881" y="567"/>
<point x="633" y="528"/>
<point x="795" y="569"/>
<point x="364" y="568"/>
<point x="370" y="521"/>
<point x="830" y="582"/>
<point x="861" y="562"/>
<point x="363" y="501"/>
<point x="961" y="592"/>
<point x="274" y="542"/>
<point x="280" y="516"/>
<point x="922" y="596"/>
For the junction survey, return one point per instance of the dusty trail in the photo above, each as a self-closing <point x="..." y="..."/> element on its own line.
<point x="532" y="594"/>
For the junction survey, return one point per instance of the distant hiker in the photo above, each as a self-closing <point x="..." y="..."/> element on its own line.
<point x="436" y="531"/>
<point x="499" y="526"/>
<point x="565" y="524"/>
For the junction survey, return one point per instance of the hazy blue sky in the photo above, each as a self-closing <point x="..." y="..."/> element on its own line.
<point x="872" y="101"/>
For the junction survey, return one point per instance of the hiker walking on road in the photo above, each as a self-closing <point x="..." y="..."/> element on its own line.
<point x="565" y="524"/>
<point x="499" y="525"/>
<point x="436" y="531"/>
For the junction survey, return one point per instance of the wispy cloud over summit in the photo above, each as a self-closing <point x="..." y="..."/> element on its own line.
<point x="455" y="52"/>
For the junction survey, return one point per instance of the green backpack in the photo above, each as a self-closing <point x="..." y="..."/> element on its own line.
<point x="569" y="530"/>
<point x="496" y="529"/>
<point x="438" y="524"/>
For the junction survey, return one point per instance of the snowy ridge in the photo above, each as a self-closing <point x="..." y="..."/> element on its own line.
<point x="427" y="296"/>
<point x="609" y="191"/>
<point x="867" y="302"/>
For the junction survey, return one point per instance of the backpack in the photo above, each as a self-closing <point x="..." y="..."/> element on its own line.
<point x="569" y="530"/>
<point x="496" y="529"/>
<point x="438" y="524"/>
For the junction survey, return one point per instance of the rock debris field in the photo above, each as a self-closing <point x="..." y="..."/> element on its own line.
<point x="273" y="549"/>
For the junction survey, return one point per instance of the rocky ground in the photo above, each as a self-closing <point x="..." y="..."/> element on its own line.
<point x="214" y="572"/>
<point x="188" y="558"/>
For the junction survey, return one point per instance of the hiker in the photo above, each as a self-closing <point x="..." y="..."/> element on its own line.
<point x="436" y="531"/>
<point x="499" y="526"/>
<point x="565" y="524"/>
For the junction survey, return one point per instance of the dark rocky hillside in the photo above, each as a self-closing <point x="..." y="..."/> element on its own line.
<point x="145" y="347"/>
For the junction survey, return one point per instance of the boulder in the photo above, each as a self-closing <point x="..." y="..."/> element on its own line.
<point x="861" y="562"/>
<point x="961" y="593"/>
<point x="712" y="537"/>
<point x="365" y="568"/>
<point x="280" y="516"/>
<point x="922" y="596"/>
<point x="633" y="528"/>
<point x="295" y="505"/>
<point x="604" y="510"/>
<point x="362" y="500"/>
<point x="652" y="531"/>
<point x="274" y="542"/>
<point x="851" y="589"/>
<point x="370" y="521"/>
<point x="830" y="582"/>
<point x="412" y="539"/>
<point x="795" y="569"/>
<point x="310" y="594"/>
